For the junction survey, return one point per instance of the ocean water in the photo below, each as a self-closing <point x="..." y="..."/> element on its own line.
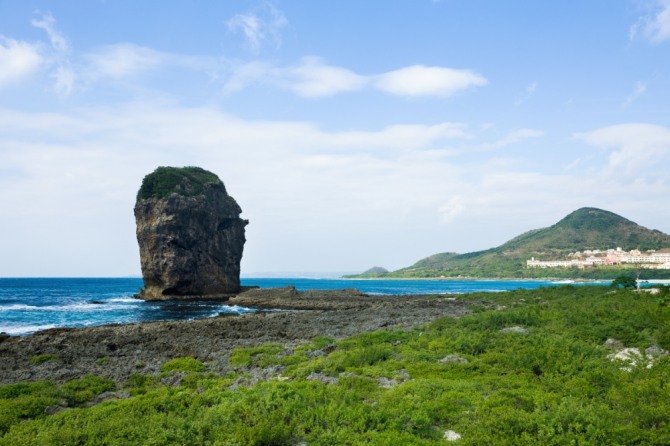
<point x="28" y="305"/>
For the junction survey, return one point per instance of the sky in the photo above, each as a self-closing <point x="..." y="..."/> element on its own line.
<point x="352" y="134"/>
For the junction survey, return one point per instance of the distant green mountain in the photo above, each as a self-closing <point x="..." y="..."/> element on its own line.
<point x="376" y="270"/>
<point x="586" y="228"/>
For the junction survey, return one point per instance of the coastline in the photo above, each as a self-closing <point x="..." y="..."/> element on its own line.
<point x="31" y="305"/>
<point x="493" y="279"/>
<point x="118" y="351"/>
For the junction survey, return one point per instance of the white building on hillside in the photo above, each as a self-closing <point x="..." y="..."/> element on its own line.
<point x="588" y="258"/>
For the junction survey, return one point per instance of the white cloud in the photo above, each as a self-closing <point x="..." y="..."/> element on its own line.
<point x="313" y="77"/>
<point x="511" y="138"/>
<point x="530" y="91"/>
<point x="310" y="78"/>
<point x="419" y="80"/>
<point x="260" y="26"/>
<point x="111" y="62"/>
<point x="452" y="209"/>
<point x="637" y="150"/>
<point x="313" y="196"/>
<point x="405" y="137"/>
<point x="244" y="75"/>
<point x="280" y="172"/>
<point x="654" y="26"/>
<point x="638" y="90"/>
<point x="47" y="23"/>
<point x="65" y="79"/>
<point x="122" y="60"/>
<point x="250" y="25"/>
<point x="58" y="59"/>
<point x="17" y="60"/>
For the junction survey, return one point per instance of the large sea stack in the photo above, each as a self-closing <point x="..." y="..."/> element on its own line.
<point x="190" y="234"/>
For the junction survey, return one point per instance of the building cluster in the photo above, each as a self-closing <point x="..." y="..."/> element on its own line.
<point x="597" y="257"/>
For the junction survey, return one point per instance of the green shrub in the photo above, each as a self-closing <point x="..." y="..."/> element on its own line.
<point x="40" y="388"/>
<point x="320" y="342"/>
<point x="86" y="388"/>
<point x="22" y="408"/>
<point x="46" y="357"/>
<point x="262" y="356"/>
<point x="626" y="282"/>
<point x="140" y="384"/>
<point x="29" y="400"/>
<point x="185" y="364"/>
<point x="26" y="400"/>
<point x="186" y="181"/>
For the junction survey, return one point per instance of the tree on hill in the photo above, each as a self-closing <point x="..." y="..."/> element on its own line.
<point x="626" y="282"/>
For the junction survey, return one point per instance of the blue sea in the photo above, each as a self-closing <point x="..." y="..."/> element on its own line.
<point x="28" y="305"/>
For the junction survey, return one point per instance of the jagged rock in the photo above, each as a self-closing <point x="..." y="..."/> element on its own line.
<point x="630" y="358"/>
<point x="190" y="234"/>
<point x="322" y="377"/>
<point x="51" y="410"/>
<point x="655" y="352"/>
<point x="316" y="354"/>
<point x="286" y="292"/>
<point x="614" y="344"/>
<point x="451" y="435"/>
<point x="453" y="359"/>
<point x="402" y="376"/>
<point x="386" y="383"/>
<point x="121" y="394"/>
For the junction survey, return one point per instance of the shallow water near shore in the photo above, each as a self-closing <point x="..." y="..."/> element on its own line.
<point x="28" y="305"/>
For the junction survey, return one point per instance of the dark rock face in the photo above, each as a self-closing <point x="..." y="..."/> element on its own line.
<point x="190" y="234"/>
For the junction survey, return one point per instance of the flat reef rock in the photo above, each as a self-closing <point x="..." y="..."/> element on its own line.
<point x="142" y="348"/>
<point x="190" y="234"/>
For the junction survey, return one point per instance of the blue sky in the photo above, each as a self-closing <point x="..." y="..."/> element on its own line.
<point x="351" y="133"/>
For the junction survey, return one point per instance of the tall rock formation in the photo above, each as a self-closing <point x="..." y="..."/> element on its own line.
<point x="190" y="234"/>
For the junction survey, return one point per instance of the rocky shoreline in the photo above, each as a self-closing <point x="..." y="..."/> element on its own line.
<point x="118" y="351"/>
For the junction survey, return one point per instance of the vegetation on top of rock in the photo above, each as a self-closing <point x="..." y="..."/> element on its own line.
<point x="185" y="181"/>
<point x="585" y="228"/>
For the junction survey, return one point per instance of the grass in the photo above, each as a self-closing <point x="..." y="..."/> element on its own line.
<point x="554" y="385"/>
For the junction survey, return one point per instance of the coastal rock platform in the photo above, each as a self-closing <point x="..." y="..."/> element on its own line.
<point x="291" y="317"/>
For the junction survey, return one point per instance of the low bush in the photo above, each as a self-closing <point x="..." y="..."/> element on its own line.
<point x="552" y="385"/>
<point x="262" y="356"/>
<point x="86" y="388"/>
<point x="185" y="364"/>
